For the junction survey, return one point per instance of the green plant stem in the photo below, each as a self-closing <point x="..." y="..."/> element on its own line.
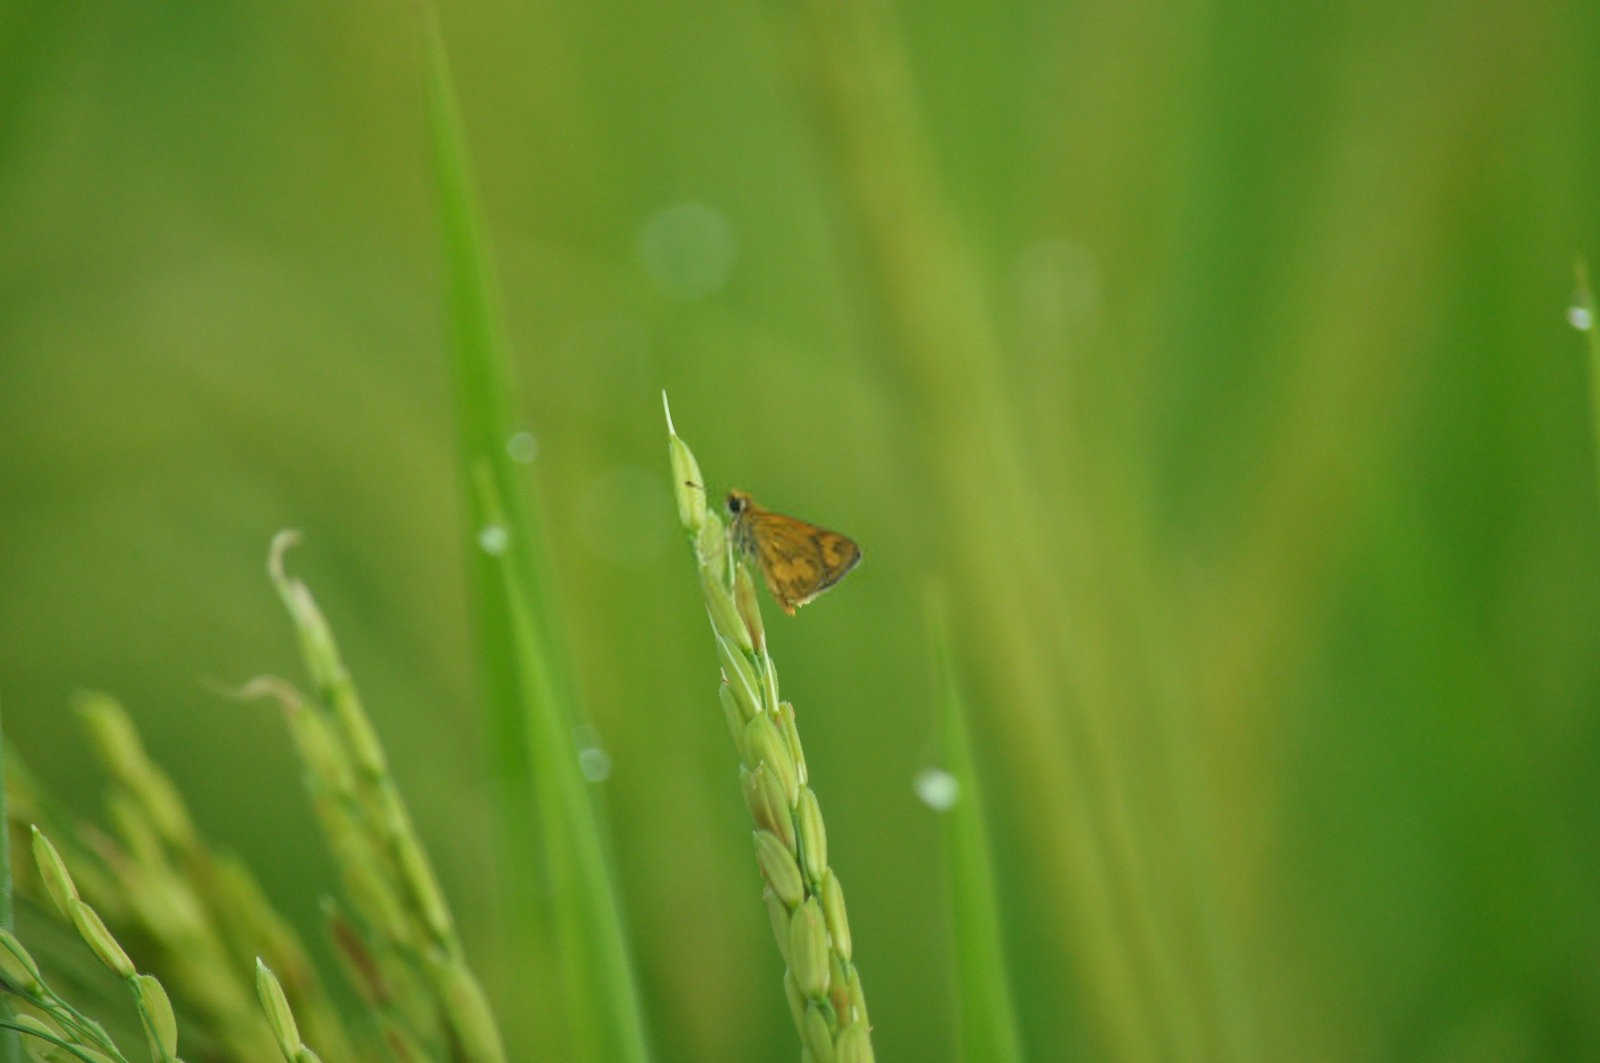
<point x="372" y="831"/>
<point x="984" y="1005"/>
<point x="13" y="1030"/>
<point x="594" y="950"/>
<point x="531" y="706"/>
<point x="10" y="1047"/>
<point x="1583" y="302"/>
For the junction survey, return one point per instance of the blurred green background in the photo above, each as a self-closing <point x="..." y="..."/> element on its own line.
<point x="1213" y="359"/>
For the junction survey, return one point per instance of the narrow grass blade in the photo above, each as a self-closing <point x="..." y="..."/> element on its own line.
<point x="528" y="693"/>
<point x="1582" y="316"/>
<point x="10" y="1048"/>
<point x="603" y="1006"/>
<point x="986" y="1013"/>
<point x="481" y="371"/>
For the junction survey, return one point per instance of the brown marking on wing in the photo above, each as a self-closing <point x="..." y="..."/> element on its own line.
<point x="799" y="560"/>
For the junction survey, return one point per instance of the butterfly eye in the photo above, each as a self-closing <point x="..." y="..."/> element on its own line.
<point x="735" y="504"/>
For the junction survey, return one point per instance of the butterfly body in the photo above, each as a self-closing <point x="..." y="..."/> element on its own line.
<point x="798" y="560"/>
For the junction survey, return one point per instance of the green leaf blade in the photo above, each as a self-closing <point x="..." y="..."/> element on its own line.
<point x="528" y="694"/>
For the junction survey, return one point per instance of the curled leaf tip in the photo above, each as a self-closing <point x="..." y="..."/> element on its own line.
<point x="280" y="545"/>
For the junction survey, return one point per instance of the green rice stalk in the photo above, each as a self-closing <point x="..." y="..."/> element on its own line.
<point x="375" y="981"/>
<point x="52" y="1045"/>
<point x="281" y="1017"/>
<point x="27" y="805"/>
<point x="133" y="886"/>
<point x="802" y="894"/>
<point x="381" y="810"/>
<point x="250" y="917"/>
<point x="206" y="913"/>
<point x="371" y="832"/>
<point x="382" y="933"/>
<point x="68" y="1028"/>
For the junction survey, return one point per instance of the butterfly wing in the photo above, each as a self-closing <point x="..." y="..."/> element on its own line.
<point x="798" y="560"/>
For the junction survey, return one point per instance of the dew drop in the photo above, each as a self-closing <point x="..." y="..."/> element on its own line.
<point x="593" y="760"/>
<point x="1058" y="295"/>
<point x="937" y="788"/>
<point x="595" y="763"/>
<point x="688" y="250"/>
<point x="494" y="539"/>
<point x="1580" y="317"/>
<point x="522" y="447"/>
